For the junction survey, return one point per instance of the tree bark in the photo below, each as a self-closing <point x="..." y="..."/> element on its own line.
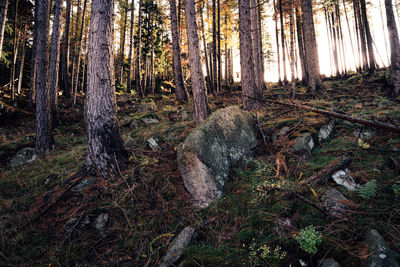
<point x="277" y="43"/>
<point x="249" y="91"/>
<point x="44" y="141"/>
<point x="122" y="47"/>
<point x="219" y="46"/>
<point x="255" y="42"/>
<point x="3" y="19"/>
<point x="106" y="154"/>
<point x="208" y="71"/>
<point x="55" y="59"/>
<point x="65" y="53"/>
<point x="181" y="94"/>
<point x="310" y="47"/>
<point x="138" y="52"/>
<point x="131" y="52"/>
<point x="15" y="51"/>
<point x="75" y="45"/>
<point x="283" y="42"/>
<point x="201" y="110"/>
<point x="22" y="62"/>
<point x="394" y="47"/>
<point x="292" y="59"/>
<point x="32" y="90"/>
<point x="299" y="28"/>
<point x="371" y="55"/>
<point x="214" y="48"/>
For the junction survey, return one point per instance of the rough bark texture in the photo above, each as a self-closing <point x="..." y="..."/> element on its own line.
<point x="130" y="70"/>
<point x="55" y="58"/>
<point x="394" y="47"/>
<point x="106" y="154"/>
<point x="371" y="55"/>
<point x="120" y="71"/>
<point x="201" y="110"/>
<point x="214" y="49"/>
<point x="181" y="94"/>
<point x="21" y="63"/>
<point x="208" y="78"/>
<point x="278" y="53"/>
<point x="310" y="47"/>
<point x="292" y="59"/>
<point x="249" y="90"/>
<point x="138" y="52"/>
<point x="283" y="42"/>
<point x="3" y="18"/>
<point x="32" y="91"/>
<point x="44" y="140"/>
<point x="256" y="45"/>
<point x="299" y="28"/>
<point x="65" y="53"/>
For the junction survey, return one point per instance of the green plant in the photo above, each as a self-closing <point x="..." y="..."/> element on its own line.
<point x="368" y="190"/>
<point x="309" y="238"/>
<point x="396" y="188"/>
<point x="262" y="255"/>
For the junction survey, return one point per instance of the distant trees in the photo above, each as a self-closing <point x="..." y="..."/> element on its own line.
<point x="201" y="110"/>
<point x="3" y="18"/>
<point x="106" y="153"/>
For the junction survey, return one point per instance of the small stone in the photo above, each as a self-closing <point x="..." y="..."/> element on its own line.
<point x="329" y="262"/>
<point x="325" y="131"/>
<point x="152" y="142"/>
<point x="380" y="254"/>
<point x="304" y="144"/>
<point x="23" y="156"/>
<point x="180" y="242"/>
<point x="100" y="222"/>
<point x="344" y="178"/>
<point x="146" y="107"/>
<point x="149" y="120"/>
<point x="281" y="132"/>
<point x="84" y="183"/>
<point x="334" y="203"/>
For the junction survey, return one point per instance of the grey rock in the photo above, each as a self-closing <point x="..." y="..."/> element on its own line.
<point x="380" y="254"/>
<point x="329" y="262"/>
<point x="149" y="120"/>
<point x="84" y="183"/>
<point x="207" y="154"/>
<point x="342" y="177"/>
<point x="152" y="143"/>
<point x="333" y="202"/>
<point x="304" y="144"/>
<point x="281" y="132"/>
<point x="180" y="242"/>
<point x="325" y="132"/>
<point x="100" y="222"/>
<point x="23" y="156"/>
<point x="147" y="106"/>
<point x="130" y="142"/>
<point x="364" y="134"/>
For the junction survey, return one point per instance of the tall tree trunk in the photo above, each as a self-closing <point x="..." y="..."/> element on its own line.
<point x="249" y="91"/>
<point x="299" y="28"/>
<point x="75" y="46"/>
<point x="79" y="55"/>
<point x="342" y="50"/>
<point x="201" y="110"/>
<point x="122" y="46"/>
<point x="55" y="60"/>
<point x="371" y="55"/>
<point x="277" y="43"/>
<point x="394" y="47"/>
<point x="32" y="82"/>
<point x="130" y="70"/>
<point x="226" y="48"/>
<point x="214" y="48"/>
<point x="333" y="27"/>
<point x="330" y="41"/>
<point x="22" y="62"/>
<point x="361" y="33"/>
<point x="292" y="59"/>
<point x="310" y="47"/>
<point x="181" y="94"/>
<point x="283" y="42"/>
<point x="256" y="45"/>
<point x="260" y="40"/>
<point x="106" y="154"/>
<point x="219" y="47"/>
<point x="15" y="51"/>
<point x="351" y="37"/>
<point x="3" y="19"/>
<point x="138" y="52"/>
<point x="384" y="31"/>
<point x="208" y="78"/>
<point x="44" y="141"/>
<point x="65" y="53"/>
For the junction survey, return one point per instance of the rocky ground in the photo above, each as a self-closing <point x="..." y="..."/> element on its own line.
<point x="317" y="191"/>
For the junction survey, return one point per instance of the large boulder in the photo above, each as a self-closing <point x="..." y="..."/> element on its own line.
<point x="335" y="203"/>
<point x="208" y="153"/>
<point x="23" y="156"/>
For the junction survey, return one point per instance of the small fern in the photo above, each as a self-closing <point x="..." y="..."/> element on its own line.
<point x="368" y="190"/>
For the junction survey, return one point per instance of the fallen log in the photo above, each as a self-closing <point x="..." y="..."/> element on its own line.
<point x="382" y="125"/>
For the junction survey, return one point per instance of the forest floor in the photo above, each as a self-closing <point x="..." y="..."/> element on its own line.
<point x="43" y="221"/>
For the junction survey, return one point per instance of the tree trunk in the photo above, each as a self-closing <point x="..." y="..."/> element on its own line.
<point x="65" y="53"/>
<point x="122" y="47"/>
<point x="299" y="28"/>
<point x="3" y="19"/>
<point x="256" y="45"/>
<point x="219" y="47"/>
<point x="250" y="94"/>
<point x="32" y="83"/>
<point x="283" y="42"/>
<point x="361" y="33"/>
<point x="44" y="141"/>
<point x="15" y="51"/>
<point x="106" y="154"/>
<point x="201" y="110"/>
<point x="138" y="52"/>
<point x="371" y="55"/>
<point x="55" y="60"/>
<point x="22" y="62"/>
<point x="130" y="70"/>
<point x="394" y="47"/>
<point x="351" y="38"/>
<point x="214" y="48"/>
<point x="181" y="94"/>
<point x="277" y="43"/>
<point x="208" y="78"/>
<point x="78" y="63"/>
<point x="75" y="45"/>
<point x="260" y="40"/>
<point x="310" y="47"/>
<point x="292" y="59"/>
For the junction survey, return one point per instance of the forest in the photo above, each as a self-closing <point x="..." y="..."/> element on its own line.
<point x="200" y="133"/>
